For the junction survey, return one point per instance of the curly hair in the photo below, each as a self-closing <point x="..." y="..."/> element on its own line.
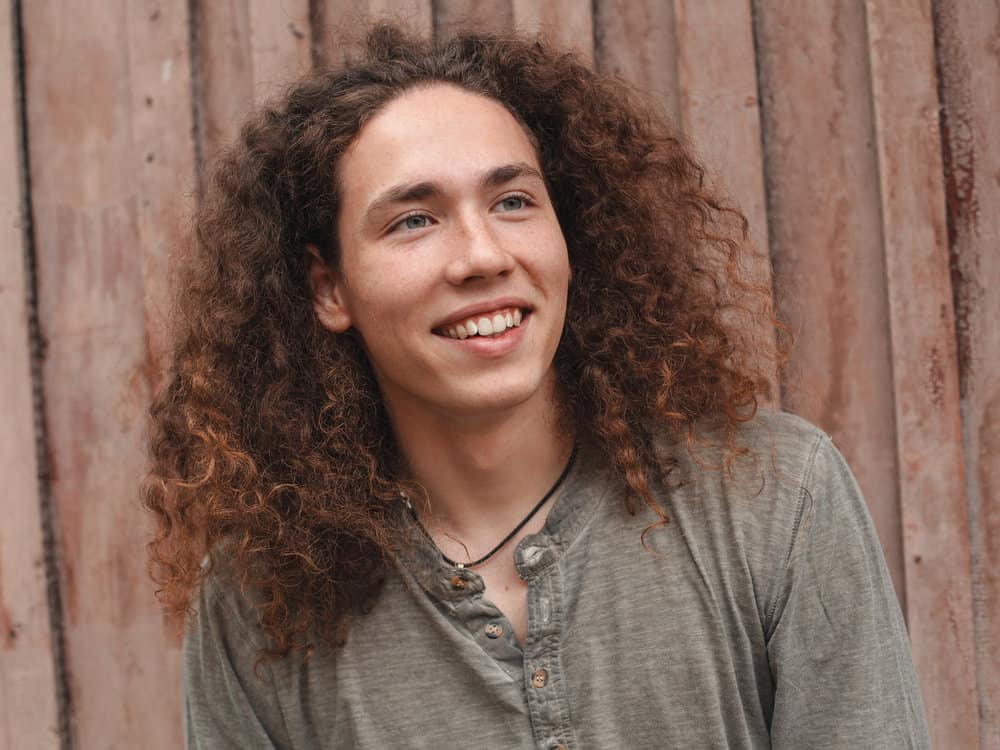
<point x="270" y="437"/>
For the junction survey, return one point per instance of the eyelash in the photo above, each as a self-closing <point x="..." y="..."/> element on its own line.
<point x="397" y="225"/>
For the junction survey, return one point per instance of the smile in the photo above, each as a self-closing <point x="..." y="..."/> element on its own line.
<point x="489" y="324"/>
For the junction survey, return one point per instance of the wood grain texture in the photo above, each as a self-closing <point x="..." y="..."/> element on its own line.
<point x="247" y="51"/>
<point x="280" y="44"/>
<point x="719" y="114"/>
<point x="635" y="38"/>
<point x="28" y="709"/>
<point x="224" y="72"/>
<point x="566" y="23"/>
<point x="112" y="161"/>
<point x="968" y="46"/>
<point x="477" y="15"/>
<point x="925" y="367"/>
<point x="826" y="240"/>
<point x="340" y="25"/>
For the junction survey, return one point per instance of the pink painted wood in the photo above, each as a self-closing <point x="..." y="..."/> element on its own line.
<point x="341" y="24"/>
<point x="925" y="367"/>
<point x="111" y="166"/>
<point x="28" y="710"/>
<point x="452" y="15"/>
<point x="280" y="44"/>
<point x="826" y="241"/>
<point x="247" y="51"/>
<point x="969" y="70"/>
<point x="224" y="72"/>
<point x="635" y="38"/>
<point x="567" y="23"/>
<point x="719" y="114"/>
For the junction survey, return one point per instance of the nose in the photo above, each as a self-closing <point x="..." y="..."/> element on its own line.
<point x="478" y="253"/>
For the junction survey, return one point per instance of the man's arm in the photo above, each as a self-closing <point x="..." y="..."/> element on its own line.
<point x="229" y="698"/>
<point x="837" y="643"/>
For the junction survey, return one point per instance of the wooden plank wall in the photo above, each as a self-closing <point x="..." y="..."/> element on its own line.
<point x="858" y="136"/>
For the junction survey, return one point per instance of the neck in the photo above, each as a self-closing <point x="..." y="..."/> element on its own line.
<point x="483" y="475"/>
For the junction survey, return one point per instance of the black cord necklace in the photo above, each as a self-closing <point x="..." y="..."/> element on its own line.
<point x="511" y="535"/>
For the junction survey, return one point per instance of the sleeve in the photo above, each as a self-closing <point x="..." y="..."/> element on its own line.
<point x="229" y="695"/>
<point x="837" y="643"/>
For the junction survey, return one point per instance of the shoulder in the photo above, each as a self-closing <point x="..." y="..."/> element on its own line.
<point x="225" y="610"/>
<point x="786" y="493"/>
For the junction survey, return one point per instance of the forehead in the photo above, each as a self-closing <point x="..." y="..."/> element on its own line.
<point x="437" y="132"/>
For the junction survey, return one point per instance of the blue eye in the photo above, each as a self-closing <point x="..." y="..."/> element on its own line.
<point x="512" y="203"/>
<point x="414" y="221"/>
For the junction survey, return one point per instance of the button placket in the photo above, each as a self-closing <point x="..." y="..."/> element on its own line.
<point x="550" y="715"/>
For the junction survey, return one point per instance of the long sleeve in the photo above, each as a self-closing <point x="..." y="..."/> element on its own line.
<point x="837" y="643"/>
<point x="229" y="698"/>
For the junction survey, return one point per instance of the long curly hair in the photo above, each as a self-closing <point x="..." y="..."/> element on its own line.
<point x="270" y="439"/>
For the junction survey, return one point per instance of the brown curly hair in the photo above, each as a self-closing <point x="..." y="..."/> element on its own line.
<point x="270" y="438"/>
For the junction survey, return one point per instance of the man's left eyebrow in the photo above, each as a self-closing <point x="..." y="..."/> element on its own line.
<point x="504" y="174"/>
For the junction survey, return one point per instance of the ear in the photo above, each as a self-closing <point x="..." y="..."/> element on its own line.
<point x="327" y="293"/>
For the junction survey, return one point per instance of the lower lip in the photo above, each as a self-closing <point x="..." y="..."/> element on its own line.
<point x="491" y="346"/>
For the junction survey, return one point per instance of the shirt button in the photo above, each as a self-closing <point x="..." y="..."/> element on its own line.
<point x="539" y="678"/>
<point x="493" y="630"/>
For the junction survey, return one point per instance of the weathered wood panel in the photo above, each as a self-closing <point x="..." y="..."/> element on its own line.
<point x="245" y="51"/>
<point x="481" y="15"/>
<point x="280" y="44"/>
<point x="826" y="240"/>
<point x="635" y="38"/>
<point x="339" y="25"/>
<point x="969" y="70"/>
<point x="28" y="709"/>
<point x="719" y="114"/>
<point x="925" y="367"/>
<point x="111" y="163"/>
<point x="568" y="23"/>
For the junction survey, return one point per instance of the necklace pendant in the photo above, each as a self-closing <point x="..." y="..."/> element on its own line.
<point x="460" y="566"/>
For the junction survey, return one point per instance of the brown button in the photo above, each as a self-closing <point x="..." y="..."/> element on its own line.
<point x="493" y="630"/>
<point x="539" y="678"/>
<point x="458" y="582"/>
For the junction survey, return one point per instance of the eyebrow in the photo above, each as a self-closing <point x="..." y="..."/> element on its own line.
<point x="416" y="191"/>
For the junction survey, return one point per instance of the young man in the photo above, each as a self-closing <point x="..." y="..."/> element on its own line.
<point x="464" y="426"/>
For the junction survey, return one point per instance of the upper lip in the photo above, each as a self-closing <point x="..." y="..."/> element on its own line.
<point x="479" y="308"/>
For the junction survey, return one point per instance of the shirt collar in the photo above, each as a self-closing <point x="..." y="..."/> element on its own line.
<point x="584" y="489"/>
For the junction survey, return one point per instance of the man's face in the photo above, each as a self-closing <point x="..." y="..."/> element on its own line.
<point x="447" y="232"/>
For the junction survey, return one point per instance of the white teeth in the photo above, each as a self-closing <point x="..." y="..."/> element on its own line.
<point x="486" y="326"/>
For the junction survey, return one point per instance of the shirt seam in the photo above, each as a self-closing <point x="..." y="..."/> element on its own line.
<point x="803" y="497"/>
<point x="245" y="631"/>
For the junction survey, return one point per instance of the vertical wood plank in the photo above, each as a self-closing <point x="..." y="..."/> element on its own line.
<point x="341" y="24"/>
<point x="969" y="70"/>
<point x="925" y="371"/>
<point x="224" y="72"/>
<point x="247" y="50"/>
<point x="280" y="44"/>
<point x="112" y="158"/>
<point x="566" y="23"/>
<point x="826" y="240"/>
<point x="28" y="709"/>
<point x="474" y="15"/>
<point x="635" y="38"/>
<point x="719" y="114"/>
